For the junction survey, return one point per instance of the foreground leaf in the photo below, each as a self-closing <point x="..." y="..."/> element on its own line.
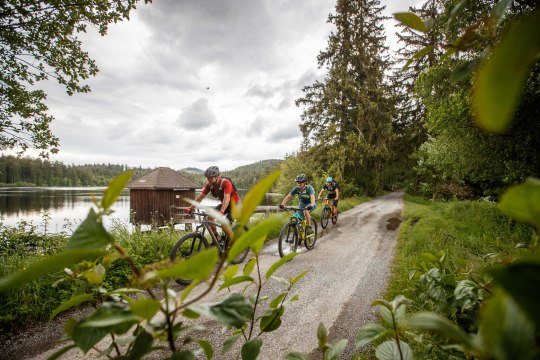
<point x="254" y="197"/>
<point x="522" y="202"/>
<point x="91" y="234"/>
<point x="498" y="87"/>
<point x="234" y="310"/>
<point x="73" y="301"/>
<point x="389" y="350"/>
<point x="115" y="188"/>
<point x="251" y="349"/>
<point x="411" y="20"/>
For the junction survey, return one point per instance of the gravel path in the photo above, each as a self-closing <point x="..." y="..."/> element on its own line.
<point x="348" y="269"/>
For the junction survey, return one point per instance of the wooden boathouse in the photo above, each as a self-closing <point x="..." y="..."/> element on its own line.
<point x="154" y="196"/>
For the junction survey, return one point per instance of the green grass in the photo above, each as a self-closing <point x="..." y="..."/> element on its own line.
<point x="468" y="232"/>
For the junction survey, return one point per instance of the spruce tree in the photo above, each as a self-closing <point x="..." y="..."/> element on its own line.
<point x="347" y="117"/>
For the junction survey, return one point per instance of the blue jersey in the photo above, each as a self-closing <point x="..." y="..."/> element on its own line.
<point x="304" y="196"/>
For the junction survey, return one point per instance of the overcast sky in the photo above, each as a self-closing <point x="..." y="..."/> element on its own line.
<point x="194" y="83"/>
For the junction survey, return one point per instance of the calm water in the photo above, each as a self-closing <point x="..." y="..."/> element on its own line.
<point x="59" y="209"/>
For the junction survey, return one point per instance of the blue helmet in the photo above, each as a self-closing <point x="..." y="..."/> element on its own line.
<point x="329" y="179"/>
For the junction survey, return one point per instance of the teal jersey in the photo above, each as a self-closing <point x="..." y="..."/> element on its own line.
<point x="304" y="197"/>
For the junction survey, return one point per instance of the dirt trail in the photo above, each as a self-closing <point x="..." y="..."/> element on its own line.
<point x="347" y="270"/>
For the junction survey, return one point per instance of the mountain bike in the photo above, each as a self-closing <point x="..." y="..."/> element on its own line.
<point x="327" y="214"/>
<point x="196" y="241"/>
<point x="294" y="232"/>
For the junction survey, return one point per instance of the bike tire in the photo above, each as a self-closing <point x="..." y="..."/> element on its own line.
<point x="325" y="216"/>
<point x="310" y="241"/>
<point x="288" y="239"/>
<point x="187" y="246"/>
<point x="334" y="218"/>
<point x="242" y="256"/>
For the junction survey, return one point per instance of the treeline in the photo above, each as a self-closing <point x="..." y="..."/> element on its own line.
<point x="26" y="171"/>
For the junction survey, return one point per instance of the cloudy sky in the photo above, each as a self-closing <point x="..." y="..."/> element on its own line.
<point x="194" y="83"/>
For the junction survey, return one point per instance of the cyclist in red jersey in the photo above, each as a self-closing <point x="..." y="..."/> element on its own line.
<point x="222" y="189"/>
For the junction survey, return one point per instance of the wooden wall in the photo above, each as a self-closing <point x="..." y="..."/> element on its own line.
<point x="149" y="206"/>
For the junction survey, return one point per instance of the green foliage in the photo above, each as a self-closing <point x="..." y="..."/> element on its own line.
<point x="95" y="252"/>
<point x="40" y="42"/>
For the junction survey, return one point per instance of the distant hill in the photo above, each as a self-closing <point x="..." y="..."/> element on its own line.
<point x="246" y="176"/>
<point x="192" y="170"/>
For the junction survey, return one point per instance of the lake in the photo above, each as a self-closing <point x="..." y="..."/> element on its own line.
<point x="57" y="209"/>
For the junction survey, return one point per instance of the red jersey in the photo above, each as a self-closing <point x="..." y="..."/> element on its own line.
<point x="220" y="188"/>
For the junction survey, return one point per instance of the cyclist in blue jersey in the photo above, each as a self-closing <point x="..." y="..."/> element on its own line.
<point x="306" y="198"/>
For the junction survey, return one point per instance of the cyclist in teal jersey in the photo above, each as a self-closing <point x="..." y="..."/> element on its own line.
<point x="306" y="198"/>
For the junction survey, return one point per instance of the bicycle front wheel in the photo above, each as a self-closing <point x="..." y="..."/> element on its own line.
<point x="325" y="216"/>
<point x="288" y="239"/>
<point x="334" y="217"/>
<point x="311" y="238"/>
<point x="188" y="245"/>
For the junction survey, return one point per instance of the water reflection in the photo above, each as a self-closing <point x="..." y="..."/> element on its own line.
<point x="62" y="207"/>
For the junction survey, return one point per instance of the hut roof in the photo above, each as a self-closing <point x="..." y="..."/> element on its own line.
<point x="163" y="178"/>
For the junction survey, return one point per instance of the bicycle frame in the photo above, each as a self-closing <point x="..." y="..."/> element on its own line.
<point x="205" y="224"/>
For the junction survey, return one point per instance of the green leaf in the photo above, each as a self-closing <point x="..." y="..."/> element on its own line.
<point x="297" y="278"/>
<point x="498" y="87"/>
<point x="369" y="333"/>
<point x="279" y="264"/>
<point x="59" y="353"/>
<point x="254" y="237"/>
<point x="411" y="20"/>
<point x="145" y="308"/>
<point x="522" y="202"/>
<point x="73" y="301"/>
<point x="389" y="350"/>
<point x="85" y="338"/>
<point x="455" y="11"/>
<point x="521" y="280"/>
<point x="498" y="11"/>
<point x="207" y="348"/>
<point x="251" y="349"/>
<point x="505" y="330"/>
<point x="437" y="323"/>
<point x="277" y="300"/>
<point x="297" y="356"/>
<point x="418" y="55"/>
<point x="197" y="267"/>
<point x="322" y="335"/>
<point x="141" y="346"/>
<point x="234" y="310"/>
<point x="90" y="234"/>
<point x="254" y="197"/>
<point x="49" y="265"/>
<point x="183" y="355"/>
<point x="115" y="188"/>
<point x="227" y="344"/>
<point x="236" y="280"/>
<point x="334" y="350"/>
<point x="271" y="320"/>
<point x="463" y="71"/>
<point x="230" y="272"/>
<point x="110" y="319"/>
<point x="250" y="265"/>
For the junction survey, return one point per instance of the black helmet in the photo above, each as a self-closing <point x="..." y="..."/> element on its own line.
<point x="212" y="171"/>
<point x="301" y="178"/>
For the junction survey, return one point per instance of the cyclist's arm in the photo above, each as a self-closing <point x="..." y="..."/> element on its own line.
<point x="225" y="204"/>
<point x="286" y="199"/>
<point x="320" y="193"/>
<point x="337" y="194"/>
<point x="312" y="198"/>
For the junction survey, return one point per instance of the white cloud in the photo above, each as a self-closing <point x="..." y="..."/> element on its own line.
<point x="196" y="83"/>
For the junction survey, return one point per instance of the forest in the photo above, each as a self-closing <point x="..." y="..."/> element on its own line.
<point x="26" y="171"/>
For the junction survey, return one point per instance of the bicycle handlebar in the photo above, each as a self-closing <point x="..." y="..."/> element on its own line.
<point x="292" y="208"/>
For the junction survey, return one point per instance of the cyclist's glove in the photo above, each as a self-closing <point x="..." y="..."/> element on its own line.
<point x="281" y="206"/>
<point x="189" y="210"/>
<point x="309" y="207"/>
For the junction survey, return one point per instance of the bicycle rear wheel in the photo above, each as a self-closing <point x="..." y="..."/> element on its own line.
<point x="334" y="217"/>
<point x="288" y="239"/>
<point x="325" y="216"/>
<point x="188" y="245"/>
<point x="310" y="239"/>
<point x="238" y="231"/>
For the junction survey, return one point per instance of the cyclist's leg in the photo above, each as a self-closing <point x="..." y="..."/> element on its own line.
<point x="226" y="229"/>
<point x="334" y="209"/>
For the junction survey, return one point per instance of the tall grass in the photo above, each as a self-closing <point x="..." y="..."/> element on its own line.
<point x="470" y="233"/>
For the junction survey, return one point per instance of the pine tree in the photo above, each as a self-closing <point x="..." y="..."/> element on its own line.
<point x="346" y="122"/>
